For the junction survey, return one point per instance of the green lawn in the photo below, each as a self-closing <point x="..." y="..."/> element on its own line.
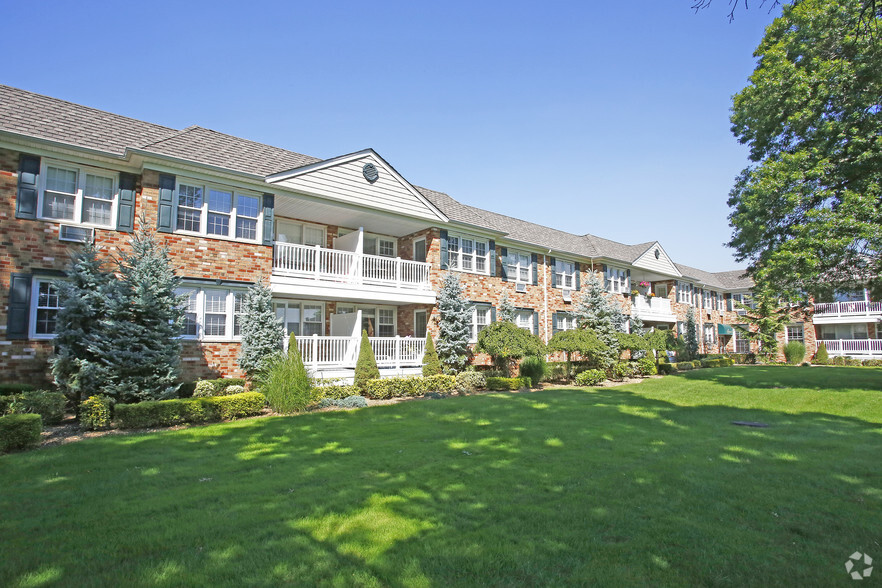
<point x="633" y="485"/>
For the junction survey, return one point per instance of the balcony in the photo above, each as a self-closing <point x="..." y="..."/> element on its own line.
<point x="322" y="354"/>
<point x="859" y="348"/>
<point x="338" y="274"/>
<point x="653" y="309"/>
<point x="859" y="311"/>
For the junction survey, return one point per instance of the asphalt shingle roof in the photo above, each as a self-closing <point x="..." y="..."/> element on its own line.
<point x="44" y="117"/>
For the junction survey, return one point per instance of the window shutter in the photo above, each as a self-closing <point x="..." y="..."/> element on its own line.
<point x="535" y="259"/>
<point x="628" y="285"/>
<point x="492" y="247"/>
<point x="445" y="261"/>
<point x="578" y="276"/>
<point x="553" y="265"/>
<point x="28" y="178"/>
<point x="19" y="313"/>
<point x="606" y="280"/>
<point x="269" y="218"/>
<point x="536" y="322"/>
<point x="554" y="328"/>
<point x="728" y="299"/>
<point x="125" y="218"/>
<point x="492" y="314"/>
<point x="166" y="203"/>
<point x="503" y="251"/>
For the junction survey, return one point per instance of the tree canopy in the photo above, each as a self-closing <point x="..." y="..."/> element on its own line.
<point x="505" y="341"/>
<point x="806" y="213"/>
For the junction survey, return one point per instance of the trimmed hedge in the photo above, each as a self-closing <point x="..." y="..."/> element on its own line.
<point x="20" y="431"/>
<point x="508" y="383"/>
<point x="354" y="401"/>
<point x="590" y="377"/>
<point x="470" y="381"/>
<point x="335" y="391"/>
<point x="666" y="368"/>
<point x="10" y="389"/>
<point x="46" y="403"/>
<point x="382" y="388"/>
<point x="166" y="413"/>
<point x="206" y="388"/>
<point x="646" y="366"/>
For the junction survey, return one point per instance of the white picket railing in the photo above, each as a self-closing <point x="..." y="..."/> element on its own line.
<point x="651" y="307"/>
<point x="319" y="263"/>
<point x="857" y="307"/>
<point x="320" y="352"/>
<point x="852" y="347"/>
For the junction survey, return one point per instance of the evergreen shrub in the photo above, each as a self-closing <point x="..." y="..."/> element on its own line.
<point x="794" y="352"/>
<point x="666" y="368"/>
<point x="10" y="389"/>
<point x="366" y="366"/>
<point x="431" y="363"/>
<point x="508" y="383"/>
<point x="470" y="381"/>
<point x="334" y="390"/>
<point x="20" y="431"/>
<point x="535" y="368"/>
<point x="646" y="366"/>
<point x="166" y="413"/>
<point x="821" y="356"/>
<point x="590" y="377"/>
<point x="206" y="388"/>
<point x="872" y="362"/>
<point x="619" y="371"/>
<point x="96" y="413"/>
<point x="48" y="404"/>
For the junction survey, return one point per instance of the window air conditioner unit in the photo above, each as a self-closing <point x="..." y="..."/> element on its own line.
<point x="568" y="295"/>
<point x="76" y="234"/>
<point x="520" y="287"/>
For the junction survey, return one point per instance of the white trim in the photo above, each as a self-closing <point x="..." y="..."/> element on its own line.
<point x="425" y="243"/>
<point x="200" y="311"/>
<point x="415" y="313"/>
<point x="474" y="255"/>
<point x="79" y="196"/>
<point x="32" y="318"/>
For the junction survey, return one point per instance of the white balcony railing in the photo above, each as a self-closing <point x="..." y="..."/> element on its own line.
<point x="853" y="347"/>
<point x="856" y="308"/>
<point x="332" y="265"/>
<point x="342" y="352"/>
<point x="651" y="306"/>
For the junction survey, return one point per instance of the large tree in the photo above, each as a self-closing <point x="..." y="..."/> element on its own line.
<point x="806" y="213"/>
<point x="598" y="311"/>
<point x="453" y="325"/>
<point x="262" y="332"/>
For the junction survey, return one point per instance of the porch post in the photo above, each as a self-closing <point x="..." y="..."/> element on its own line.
<point x="315" y="343"/>
<point x="398" y="272"/>
<point x="398" y="352"/>
<point x="317" y="261"/>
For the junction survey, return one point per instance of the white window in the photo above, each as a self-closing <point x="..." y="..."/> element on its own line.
<point x="709" y="299"/>
<point x="565" y="322"/>
<point x="565" y="274"/>
<point x="685" y="293"/>
<point x="742" y="343"/>
<point x="301" y="318"/>
<point x="709" y="334"/>
<point x="78" y="194"/>
<point x="386" y="322"/>
<point x="382" y="246"/>
<point x="795" y="333"/>
<point x="524" y="319"/>
<point x="468" y="254"/>
<point x="45" y="312"/>
<point x="211" y="313"/>
<point x="520" y="267"/>
<point x="616" y="280"/>
<point x="741" y="299"/>
<point x="223" y="213"/>
<point x="481" y="315"/>
<point x="419" y="250"/>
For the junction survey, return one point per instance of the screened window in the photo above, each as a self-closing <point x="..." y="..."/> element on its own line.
<point x="78" y="194"/>
<point x="47" y="308"/>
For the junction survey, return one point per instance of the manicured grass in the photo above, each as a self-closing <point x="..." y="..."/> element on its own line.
<point x="634" y="485"/>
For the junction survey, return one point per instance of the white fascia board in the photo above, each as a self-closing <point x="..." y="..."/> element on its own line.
<point x="72" y="153"/>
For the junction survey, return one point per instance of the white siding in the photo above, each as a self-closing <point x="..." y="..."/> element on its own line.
<point x="662" y="265"/>
<point x="346" y="183"/>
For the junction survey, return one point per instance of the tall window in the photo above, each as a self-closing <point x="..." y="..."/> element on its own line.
<point x="191" y="310"/>
<point x="481" y="315"/>
<point x="216" y="313"/>
<point x="616" y="280"/>
<point x="78" y="194"/>
<point x="224" y="212"/>
<point x="419" y="250"/>
<point x="47" y="309"/>
<point x="742" y="343"/>
<point x="565" y="274"/>
<point x="301" y="318"/>
<point x="709" y="335"/>
<point x="685" y="293"/>
<point x="520" y="267"/>
<point x="467" y="254"/>
<point x="420" y="321"/>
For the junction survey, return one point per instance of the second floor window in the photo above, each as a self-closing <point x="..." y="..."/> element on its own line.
<point x="78" y="194"/>
<point x="223" y="212"/>
<point x="467" y="254"/>
<point x="685" y="293"/>
<point x="616" y="280"/>
<point x="565" y="274"/>
<point x="520" y="267"/>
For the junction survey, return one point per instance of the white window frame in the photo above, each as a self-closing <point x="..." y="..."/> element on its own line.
<point x="456" y="258"/>
<point x="35" y="308"/>
<point x="303" y="227"/>
<point x="378" y="244"/>
<point x="426" y="327"/>
<point x="709" y="333"/>
<point x="521" y="322"/>
<point x="567" y="320"/>
<point x="233" y="215"/>
<point x="686" y="293"/>
<point x="617" y="280"/>
<point x="792" y="329"/>
<point x="482" y="315"/>
<point x="79" y="196"/>
<point x="200" y="308"/>
<point x="523" y="265"/>
<point x="425" y="249"/>
<point x="301" y="304"/>
<point x="563" y="274"/>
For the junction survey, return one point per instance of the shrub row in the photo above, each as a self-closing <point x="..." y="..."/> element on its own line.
<point x="496" y="383"/>
<point x="10" y="389"/>
<point x="354" y="401"/>
<point x="849" y="361"/>
<point x="381" y="388"/>
<point x="470" y="381"/>
<point x="221" y="387"/>
<point x="335" y="391"/>
<point x="48" y="404"/>
<point x="165" y="413"/>
<point x="20" y="431"/>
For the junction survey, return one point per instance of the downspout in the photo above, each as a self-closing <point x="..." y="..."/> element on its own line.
<point x="545" y="291"/>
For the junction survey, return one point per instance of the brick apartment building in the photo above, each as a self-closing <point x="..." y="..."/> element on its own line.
<point x="345" y="243"/>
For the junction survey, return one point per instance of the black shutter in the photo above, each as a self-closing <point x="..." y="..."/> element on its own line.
<point x="536" y="322"/>
<point x="125" y="218"/>
<point x="492" y="261"/>
<point x="19" y="313"/>
<point x="535" y="259"/>
<point x="269" y="207"/>
<point x="554" y="328"/>
<point x="578" y="276"/>
<point x="503" y="251"/>
<point x="28" y="178"/>
<point x="553" y="265"/>
<point x="444" y="253"/>
<point x="492" y="314"/>
<point x="629" y="280"/>
<point x="166" y="203"/>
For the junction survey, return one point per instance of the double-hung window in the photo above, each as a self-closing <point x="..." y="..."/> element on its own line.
<point x="616" y="280"/>
<point x="301" y="319"/>
<point x="481" y="316"/>
<point x="564" y="322"/>
<point x="742" y="342"/>
<point x="795" y="333"/>
<point x="708" y="333"/>
<point x="468" y="254"/>
<point x="46" y="309"/>
<point x="520" y="267"/>
<point x="524" y="319"/>
<point x="685" y="293"/>
<point x="211" y="313"/>
<point x="216" y="211"/>
<point x="565" y="274"/>
<point x="78" y="194"/>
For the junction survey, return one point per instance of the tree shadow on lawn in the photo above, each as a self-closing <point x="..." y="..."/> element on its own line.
<point x="555" y="487"/>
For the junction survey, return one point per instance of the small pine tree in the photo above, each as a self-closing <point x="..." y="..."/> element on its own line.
<point x="690" y="337"/>
<point x="141" y="351"/>
<point x="366" y="367"/>
<point x="506" y="312"/>
<point x="596" y="310"/>
<point x="821" y="356"/>
<point x="638" y="330"/>
<point x="262" y="332"/>
<point x="454" y="325"/>
<point x="767" y="317"/>
<point x="83" y="298"/>
<point x="431" y="363"/>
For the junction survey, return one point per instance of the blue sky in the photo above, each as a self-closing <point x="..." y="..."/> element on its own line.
<point x="609" y="118"/>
